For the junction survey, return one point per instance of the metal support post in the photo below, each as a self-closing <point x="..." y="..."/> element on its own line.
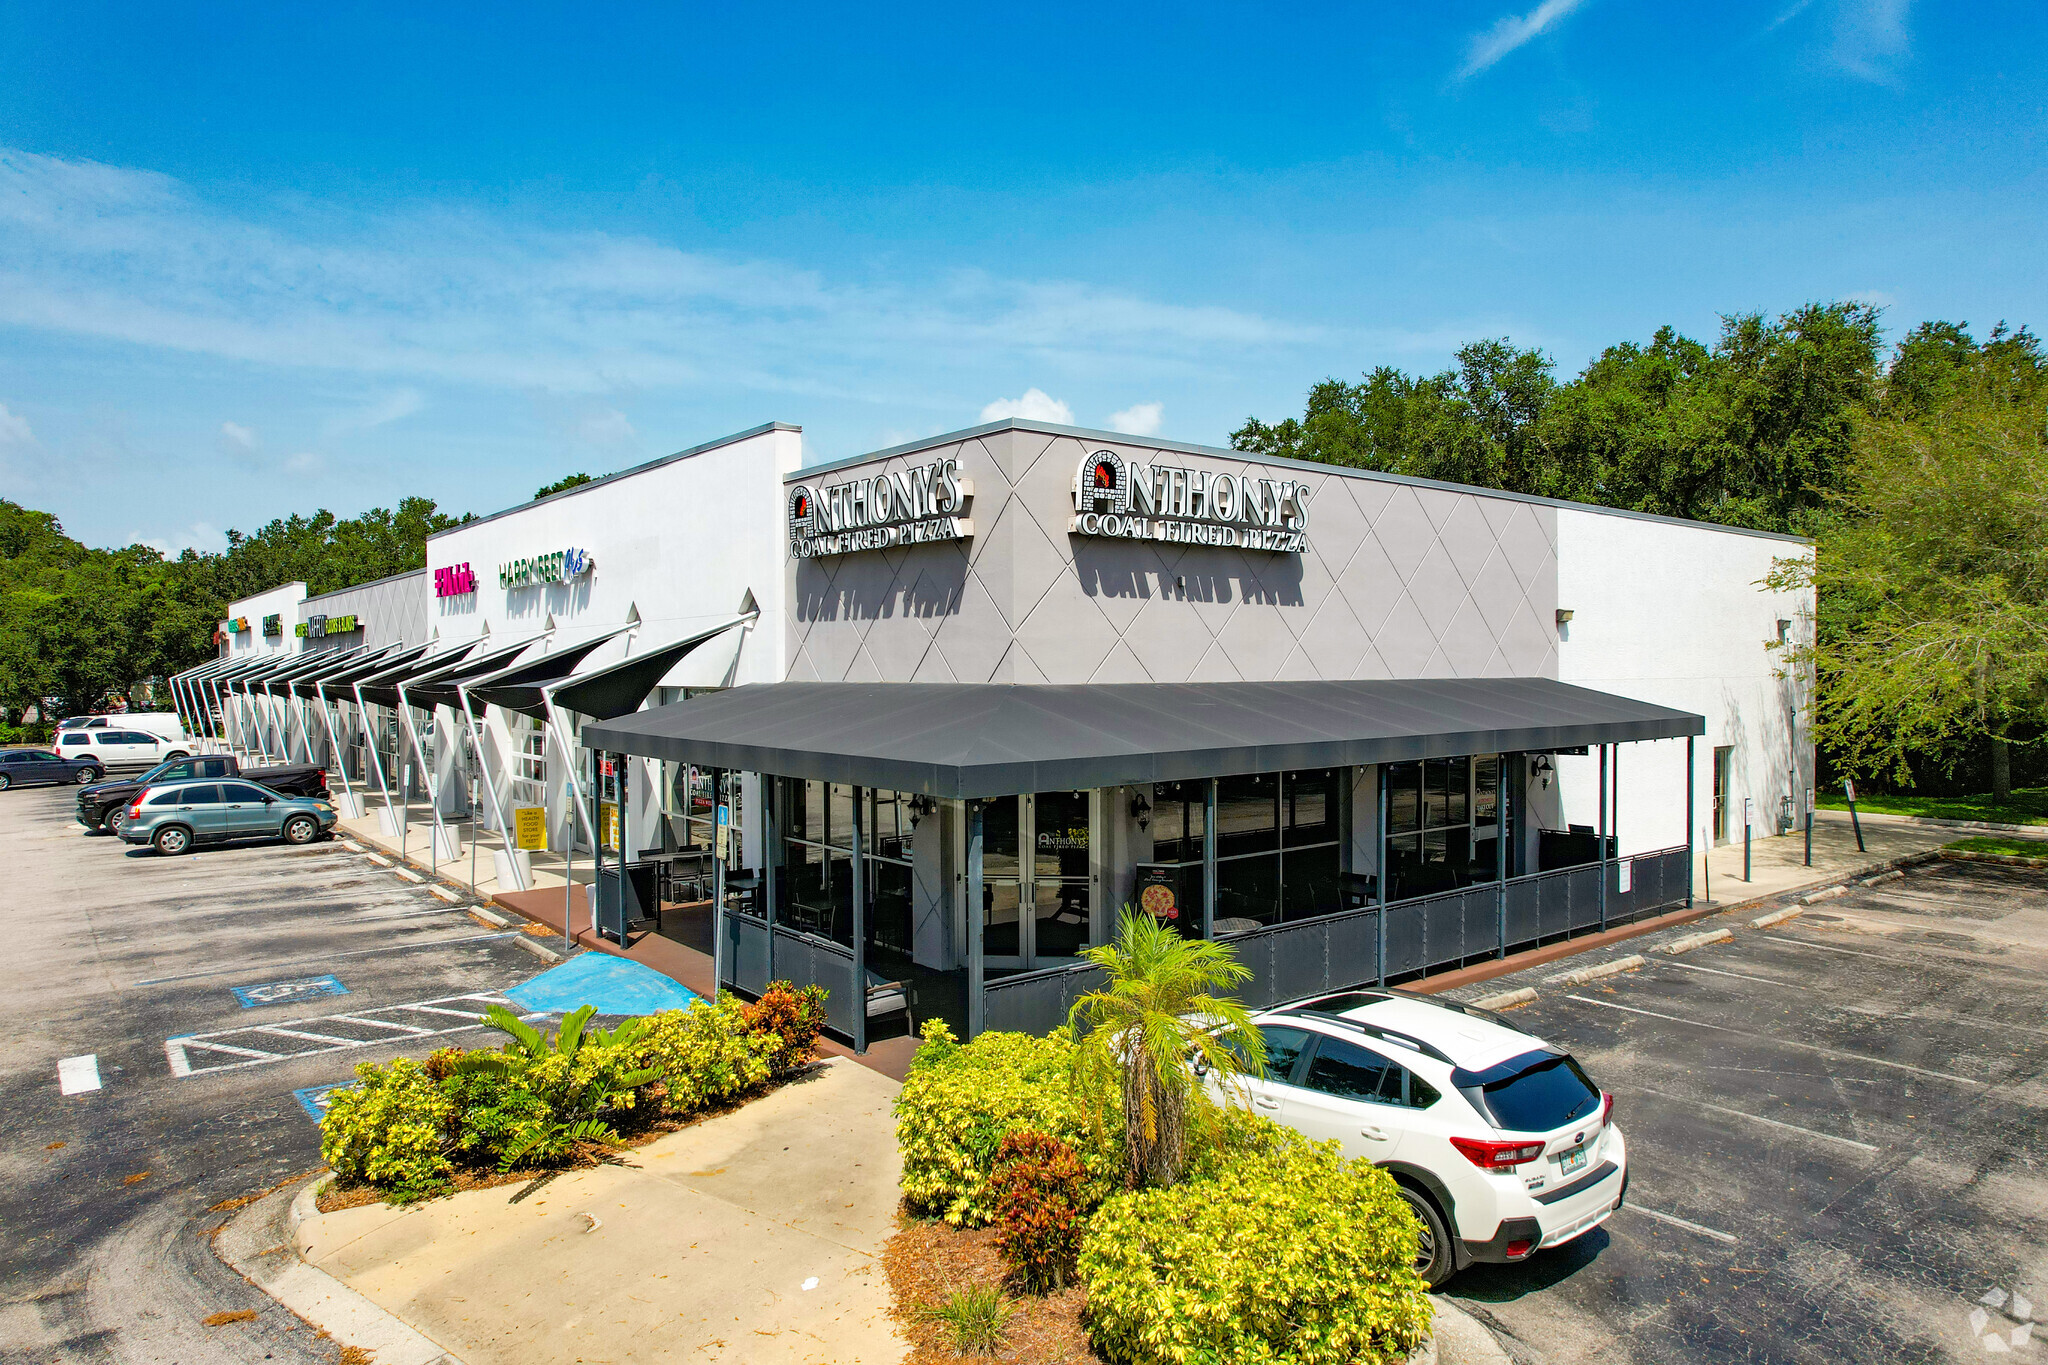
<point x="334" y="742"/>
<point x="860" y="919"/>
<point x="1500" y="849"/>
<point x="1600" y="827"/>
<point x="1689" y="778"/>
<point x="1849" y="791"/>
<point x="427" y="772"/>
<point x="1386" y="880"/>
<point x="771" y="851"/>
<point x="1209" y="860"/>
<point x="720" y="806"/>
<point x="374" y="745"/>
<point x="483" y="769"/>
<point x="977" y="1011"/>
<point x="1745" y="840"/>
<point x="1809" y="836"/>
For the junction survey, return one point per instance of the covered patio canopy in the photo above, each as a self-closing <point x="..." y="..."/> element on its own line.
<point x="992" y="739"/>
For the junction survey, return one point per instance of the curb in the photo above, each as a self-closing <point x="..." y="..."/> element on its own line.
<point x="1959" y="855"/>
<point x="1506" y="1000"/>
<point x="1585" y="974"/>
<point x="260" y="1242"/>
<point x="537" y="948"/>
<point x="1932" y="822"/>
<point x="1775" y="917"/>
<point x="1692" y="941"/>
<point x="1457" y="1337"/>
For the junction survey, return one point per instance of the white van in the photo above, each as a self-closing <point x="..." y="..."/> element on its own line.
<point x="120" y="747"/>
<point x="164" y="724"/>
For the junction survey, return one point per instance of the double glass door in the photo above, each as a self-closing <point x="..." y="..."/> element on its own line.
<point x="1038" y="878"/>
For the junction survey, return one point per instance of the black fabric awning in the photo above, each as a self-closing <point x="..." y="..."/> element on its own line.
<point x="382" y="687"/>
<point x="993" y="739"/>
<point x="607" y="692"/>
<point x="438" y="688"/>
<point x="518" y="688"/>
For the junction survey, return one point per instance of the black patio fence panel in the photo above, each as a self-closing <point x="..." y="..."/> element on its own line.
<point x="1656" y="883"/>
<point x="1037" y="1002"/>
<point x="806" y="958"/>
<point x="1584" y="893"/>
<point x="746" y="952"/>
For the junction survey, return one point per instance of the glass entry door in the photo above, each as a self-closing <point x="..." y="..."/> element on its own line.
<point x="1038" y="878"/>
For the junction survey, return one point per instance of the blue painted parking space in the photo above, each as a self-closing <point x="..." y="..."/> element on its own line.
<point x="613" y="985"/>
<point x="313" y="1098"/>
<point x="285" y="992"/>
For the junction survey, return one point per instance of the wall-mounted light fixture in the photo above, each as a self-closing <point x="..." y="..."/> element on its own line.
<point x="1564" y="616"/>
<point x="921" y="806"/>
<point x="1141" y="810"/>
<point x="1543" y="769"/>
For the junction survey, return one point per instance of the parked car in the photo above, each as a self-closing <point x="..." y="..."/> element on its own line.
<point x="113" y="748"/>
<point x="105" y="804"/>
<point x="163" y="724"/>
<point x="1497" y="1140"/>
<point x="176" y="817"/>
<point x="19" y="767"/>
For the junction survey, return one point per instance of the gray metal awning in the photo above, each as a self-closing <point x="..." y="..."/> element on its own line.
<point x="993" y="739"/>
<point x="382" y="687"/>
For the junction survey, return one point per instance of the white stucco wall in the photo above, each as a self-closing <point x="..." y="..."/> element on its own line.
<point x="1676" y="614"/>
<point x="281" y="602"/>
<point x="682" y="542"/>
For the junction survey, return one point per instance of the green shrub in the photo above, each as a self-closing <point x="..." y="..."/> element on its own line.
<point x="389" y="1130"/>
<point x="542" y="1095"/>
<point x="1285" y="1253"/>
<point x="1039" y="1189"/>
<point x="707" y="1052"/>
<point x="974" y="1320"/>
<point x="499" y="1117"/>
<point x="794" y="1017"/>
<point x="959" y="1101"/>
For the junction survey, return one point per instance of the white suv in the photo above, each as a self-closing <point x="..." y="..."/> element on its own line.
<point x="1497" y="1139"/>
<point x="119" y="747"/>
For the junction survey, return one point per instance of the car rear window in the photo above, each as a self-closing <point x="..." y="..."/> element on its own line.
<point x="1532" y="1093"/>
<point x="166" y="798"/>
<point x="74" y="737"/>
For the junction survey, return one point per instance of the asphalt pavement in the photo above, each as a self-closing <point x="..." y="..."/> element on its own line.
<point x="117" y="965"/>
<point x="1835" y="1135"/>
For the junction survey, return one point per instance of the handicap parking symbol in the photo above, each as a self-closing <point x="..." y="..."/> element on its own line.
<point x="313" y="1098"/>
<point x="282" y="992"/>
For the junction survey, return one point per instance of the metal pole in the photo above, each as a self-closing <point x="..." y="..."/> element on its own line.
<point x="860" y="920"/>
<point x="483" y="769"/>
<point x="771" y="854"/>
<point x="718" y="810"/>
<point x="1386" y="880"/>
<point x="1209" y="860"/>
<point x="1689" y="779"/>
<point x="597" y="846"/>
<point x="568" y="884"/>
<point x="1745" y="841"/>
<point x="427" y="772"/>
<point x="1849" y="791"/>
<point x="976" y="975"/>
<point x="1809" y="836"/>
<point x="375" y="746"/>
<point x="334" y="741"/>
<point x="472" y="836"/>
<point x="1600" y="826"/>
<point x="1500" y="849"/>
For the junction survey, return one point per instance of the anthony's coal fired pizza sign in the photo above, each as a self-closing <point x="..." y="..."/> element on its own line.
<point x="1130" y="501"/>
<point x="908" y="507"/>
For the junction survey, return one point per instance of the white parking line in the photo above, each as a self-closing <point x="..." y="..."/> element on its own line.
<point x="1829" y="948"/>
<point x="329" y="957"/>
<point x="1739" y="976"/>
<point x="78" y="1075"/>
<point x="1759" y="1118"/>
<point x="1786" y="1042"/>
<point x="1677" y="1222"/>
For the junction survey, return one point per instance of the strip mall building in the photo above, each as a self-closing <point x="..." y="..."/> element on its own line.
<point x="960" y="701"/>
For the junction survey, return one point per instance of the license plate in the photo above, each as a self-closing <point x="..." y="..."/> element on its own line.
<point x="1574" y="1160"/>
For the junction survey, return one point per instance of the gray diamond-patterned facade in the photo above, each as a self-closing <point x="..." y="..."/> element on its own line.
<point x="967" y="699"/>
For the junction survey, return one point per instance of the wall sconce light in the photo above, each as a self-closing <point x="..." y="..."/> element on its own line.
<point x="1564" y="616"/>
<point x="1543" y="770"/>
<point x="921" y="806"/>
<point x="1141" y="810"/>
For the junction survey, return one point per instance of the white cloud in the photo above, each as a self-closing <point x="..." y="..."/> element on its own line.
<point x="237" y="440"/>
<point x="422" y="297"/>
<point x="1139" y="419"/>
<point x="606" y="427"/>
<point x="392" y="407"/>
<point x="1511" y="31"/>
<point x="14" y="429"/>
<point x="1035" y="406"/>
<point x="306" y="464"/>
<point x="202" y="536"/>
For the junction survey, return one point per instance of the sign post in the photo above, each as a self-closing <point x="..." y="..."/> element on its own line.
<point x="1748" y="810"/>
<point x="1809" y="827"/>
<point x="1849" y="790"/>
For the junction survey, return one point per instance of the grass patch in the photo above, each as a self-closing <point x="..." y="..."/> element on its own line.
<point x="2006" y="848"/>
<point x="2029" y="806"/>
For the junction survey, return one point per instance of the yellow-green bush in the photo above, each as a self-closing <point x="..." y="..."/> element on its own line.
<point x="389" y="1129"/>
<point x="961" y="1100"/>
<point x="707" y="1052"/>
<point x="1283" y="1254"/>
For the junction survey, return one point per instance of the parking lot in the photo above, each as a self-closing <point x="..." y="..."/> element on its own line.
<point x="205" y="996"/>
<point x="1836" y="1138"/>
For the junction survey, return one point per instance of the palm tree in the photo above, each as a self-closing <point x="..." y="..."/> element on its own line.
<point x="1162" y="1022"/>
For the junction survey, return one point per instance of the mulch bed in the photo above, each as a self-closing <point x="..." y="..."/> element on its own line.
<point x="927" y="1260"/>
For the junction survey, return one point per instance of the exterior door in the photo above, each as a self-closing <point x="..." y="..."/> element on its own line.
<point x="1352" y="1094"/>
<point x="1038" y="878"/>
<point x="1724" y="762"/>
<point x="200" y="807"/>
<point x="244" y="810"/>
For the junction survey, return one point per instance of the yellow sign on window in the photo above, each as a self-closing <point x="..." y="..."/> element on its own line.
<point x="530" y="827"/>
<point x="608" y="824"/>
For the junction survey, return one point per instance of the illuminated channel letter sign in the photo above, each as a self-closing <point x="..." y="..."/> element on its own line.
<point x="909" y="507"/>
<point x="454" y="580"/>
<point x="1188" y="506"/>
<point x="273" y="624"/>
<point x="558" y="567"/>
<point x="320" y="627"/>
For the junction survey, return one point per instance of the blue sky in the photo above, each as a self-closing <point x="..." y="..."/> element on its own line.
<point x="256" y="260"/>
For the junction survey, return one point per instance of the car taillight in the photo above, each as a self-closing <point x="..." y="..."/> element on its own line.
<point x="1497" y="1156"/>
<point x="1518" y="1249"/>
<point x="1606" y="1108"/>
<point x="135" y="811"/>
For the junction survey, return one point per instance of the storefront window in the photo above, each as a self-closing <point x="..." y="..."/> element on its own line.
<point x="819" y="862"/>
<point x="1441" y="816"/>
<point x="1278" y="850"/>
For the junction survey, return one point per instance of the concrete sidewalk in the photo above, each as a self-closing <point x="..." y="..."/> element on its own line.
<point x="1776" y="864"/>
<point x="752" y="1236"/>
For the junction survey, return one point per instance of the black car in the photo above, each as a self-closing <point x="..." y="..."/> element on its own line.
<point x="18" y="767"/>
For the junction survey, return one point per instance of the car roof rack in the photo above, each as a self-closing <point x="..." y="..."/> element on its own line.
<point x="1385" y="1035"/>
<point x="1415" y="997"/>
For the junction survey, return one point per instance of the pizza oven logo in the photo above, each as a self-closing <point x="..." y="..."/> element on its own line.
<point x="802" y="511"/>
<point x="1104" y="479"/>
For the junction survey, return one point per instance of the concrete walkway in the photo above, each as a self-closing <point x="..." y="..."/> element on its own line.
<point x="1776" y="864"/>
<point x="753" y="1236"/>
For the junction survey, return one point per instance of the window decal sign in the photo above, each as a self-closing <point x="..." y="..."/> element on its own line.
<point x="913" y="506"/>
<point x="1130" y="501"/>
